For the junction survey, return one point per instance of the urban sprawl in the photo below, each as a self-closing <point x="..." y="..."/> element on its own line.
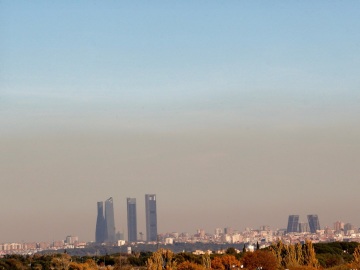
<point x="106" y="235"/>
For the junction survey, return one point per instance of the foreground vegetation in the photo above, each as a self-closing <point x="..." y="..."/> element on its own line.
<point x="334" y="256"/>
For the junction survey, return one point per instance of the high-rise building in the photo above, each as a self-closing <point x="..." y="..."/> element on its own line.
<point x="293" y="224"/>
<point x="314" y="223"/>
<point x="303" y="227"/>
<point x="100" y="224"/>
<point x="131" y="219"/>
<point x="109" y="220"/>
<point x="151" y="218"/>
<point x="338" y="226"/>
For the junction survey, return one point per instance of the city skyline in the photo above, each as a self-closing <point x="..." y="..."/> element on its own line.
<point x="247" y="110"/>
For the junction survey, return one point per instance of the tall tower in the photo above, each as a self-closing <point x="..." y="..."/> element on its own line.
<point x="293" y="224"/>
<point x="131" y="219"/>
<point x="100" y="224"/>
<point x="151" y="219"/>
<point x="313" y="223"/>
<point x="109" y="220"/>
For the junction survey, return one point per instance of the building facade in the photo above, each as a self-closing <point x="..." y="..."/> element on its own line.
<point x="314" y="223"/>
<point x="151" y="217"/>
<point x="293" y="224"/>
<point x="131" y="219"/>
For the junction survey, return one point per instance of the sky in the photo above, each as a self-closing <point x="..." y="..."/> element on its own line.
<point x="234" y="113"/>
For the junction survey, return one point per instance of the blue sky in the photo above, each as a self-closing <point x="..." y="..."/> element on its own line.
<point x="191" y="82"/>
<point x="154" y="53"/>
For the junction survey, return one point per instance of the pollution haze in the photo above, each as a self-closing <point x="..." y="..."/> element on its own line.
<point x="235" y="114"/>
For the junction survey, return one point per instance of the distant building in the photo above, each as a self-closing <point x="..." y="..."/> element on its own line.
<point x="228" y="230"/>
<point x="119" y="236"/>
<point x="151" y="217"/>
<point x="348" y="227"/>
<point x="303" y="227"/>
<point x="293" y="224"/>
<point x="131" y="219"/>
<point x="109" y="220"/>
<point x="100" y="232"/>
<point x="338" y="226"/>
<point x="314" y="223"/>
<point x="70" y="240"/>
<point x="218" y="231"/>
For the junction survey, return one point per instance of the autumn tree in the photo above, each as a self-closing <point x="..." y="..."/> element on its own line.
<point x="216" y="263"/>
<point x="206" y="261"/>
<point x="309" y="255"/>
<point x="186" y="265"/>
<point x="161" y="259"/>
<point x="355" y="263"/>
<point x="262" y="259"/>
<point x="225" y="262"/>
<point x="61" y="261"/>
<point x="277" y="249"/>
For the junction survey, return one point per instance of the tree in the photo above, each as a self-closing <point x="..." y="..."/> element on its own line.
<point x="260" y="259"/>
<point x="216" y="263"/>
<point x="356" y="261"/>
<point x="186" y="265"/>
<point x="225" y="262"/>
<point x="61" y="261"/>
<point x="231" y="251"/>
<point x="309" y="255"/>
<point x="206" y="261"/>
<point x="161" y="259"/>
<point x="277" y="249"/>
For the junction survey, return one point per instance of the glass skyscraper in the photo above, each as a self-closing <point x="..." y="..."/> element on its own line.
<point x="314" y="224"/>
<point x="293" y="224"/>
<point x="100" y="224"/>
<point x="131" y="219"/>
<point x="151" y="218"/>
<point x="109" y="220"/>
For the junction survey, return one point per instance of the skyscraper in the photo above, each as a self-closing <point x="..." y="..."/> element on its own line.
<point x="100" y="224"/>
<point x="151" y="219"/>
<point x="293" y="224"/>
<point x="131" y="219"/>
<point x="314" y="224"/>
<point x="109" y="220"/>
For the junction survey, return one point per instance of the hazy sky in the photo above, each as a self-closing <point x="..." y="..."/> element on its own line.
<point x="235" y="113"/>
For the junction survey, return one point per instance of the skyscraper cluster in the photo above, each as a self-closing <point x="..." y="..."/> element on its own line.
<point x="105" y="225"/>
<point x="295" y="226"/>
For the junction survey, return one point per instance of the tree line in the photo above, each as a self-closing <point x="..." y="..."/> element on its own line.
<point x="278" y="256"/>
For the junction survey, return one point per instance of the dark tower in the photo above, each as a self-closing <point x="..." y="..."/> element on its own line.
<point x="314" y="224"/>
<point x="109" y="220"/>
<point x="151" y="218"/>
<point x="100" y="224"/>
<point x="131" y="219"/>
<point x="293" y="224"/>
